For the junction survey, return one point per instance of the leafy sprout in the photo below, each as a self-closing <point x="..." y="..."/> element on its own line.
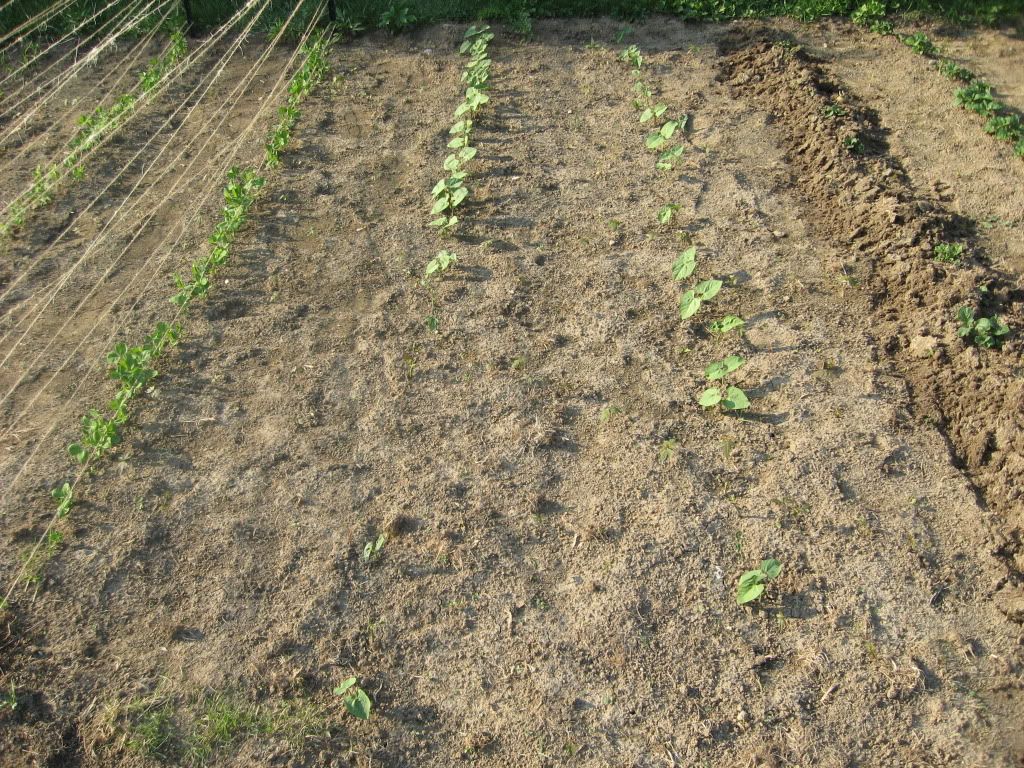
<point x="726" y="324"/>
<point x="753" y="583"/>
<point x="356" y="702"/>
<point x="729" y="397"/>
<point x="666" y="212"/>
<point x="987" y="332"/>
<point x="691" y="301"/>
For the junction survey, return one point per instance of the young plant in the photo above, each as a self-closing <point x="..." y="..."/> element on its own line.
<point x="396" y="18"/>
<point x="438" y="265"/>
<point x="977" y="97"/>
<point x="667" y="450"/>
<point x="868" y="13"/>
<point x="373" y="548"/>
<point x="633" y="57"/>
<point x="64" y="496"/>
<point x="652" y="112"/>
<point x="834" y="110"/>
<point x="726" y="324"/>
<point x="948" y="253"/>
<point x="986" y="332"/>
<point x="658" y="138"/>
<point x="691" y="301"/>
<point x="921" y="44"/>
<point x="730" y="397"/>
<point x="666" y="159"/>
<point x="356" y="702"/>
<point x="954" y="71"/>
<point x="753" y="583"/>
<point x="666" y="212"/>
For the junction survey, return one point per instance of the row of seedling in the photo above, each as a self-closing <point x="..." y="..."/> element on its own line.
<point x="664" y="130"/>
<point x="94" y="128"/>
<point x="722" y="390"/>
<point x="974" y="95"/>
<point x="134" y="367"/>
<point x="452" y="190"/>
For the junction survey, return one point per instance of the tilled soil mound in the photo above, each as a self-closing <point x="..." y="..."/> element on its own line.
<point x="976" y="396"/>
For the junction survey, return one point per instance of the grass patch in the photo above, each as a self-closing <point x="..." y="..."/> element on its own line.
<point x="197" y="732"/>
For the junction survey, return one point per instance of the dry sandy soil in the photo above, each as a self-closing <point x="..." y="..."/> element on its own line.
<point x="552" y="592"/>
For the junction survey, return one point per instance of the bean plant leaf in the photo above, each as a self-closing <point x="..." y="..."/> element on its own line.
<point x="750" y="588"/>
<point x="726" y="324"/>
<point x="708" y="289"/>
<point x="345" y="685"/>
<point x="735" y="399"/>
<point x="654" y="140"/>
<point x="647" y="115"/>
<point x="723" y="367"/>
<point x="710" y="397"/>
<point x="688" y="305"/>
<point x="771" y="568"/>
<point x="359" y="705"/>
<point x="685" y="264"/>
<point x="668" y="129"/>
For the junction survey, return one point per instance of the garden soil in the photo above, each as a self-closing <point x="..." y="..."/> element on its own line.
<point x="563" y="525"/>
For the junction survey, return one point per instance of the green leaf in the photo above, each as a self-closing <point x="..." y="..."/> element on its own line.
<point x="647" y="115"/>
<point x="771" y="568"/>
<point x="750" y="587"/>
<point x="359" y="705"/>
<point x="458" y="142"/>
<point x="688" y="305"/>
<point x="467" y="153"/>
<point x="723" y="367"/>
<point x="438" y="188"/>
<point x="710" y="397"/>
<point x="345" y="685"/>
<point x="665" y="213"/>
<point x="668" y="129"/>
<point x="654" y="140"/>
<point x="708" y="289"/>
<point x="659" y="110"/>
<point x="78" y="453"/>
<point x="726" y="324"/>
<point x="459" y="195"/>
<point x="685" y="264"/>
<point x="440" y="206"/>
<point x="735" y="399"/>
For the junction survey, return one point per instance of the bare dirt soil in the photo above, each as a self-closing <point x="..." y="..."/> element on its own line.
<point x="558" y="587"/>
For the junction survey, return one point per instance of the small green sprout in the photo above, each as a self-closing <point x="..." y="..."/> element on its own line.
<point x="691" y="301"/>
<point x="834" y="110"/>
<point x="954" y="71"/>
<point x="726" y="324"/>
<point x="752" y="583"/>
<point x="356" y="702"/>
<point x="666" y="212"/>
<point x="438" y="265"/>
<point x="64" y="496"/>
<point x="657" y="139"/>
<point x="633" y="57"/>
<point x="948" y="253"/>
<point x="667" y="450"/>
<point x="652" y="112"/>
<point x="608" y="413"/>
<point x="729" y="397"/>
<point x="666" y="159"/>
<point x="373" y="548"/>
<point x="854" y="145"/>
